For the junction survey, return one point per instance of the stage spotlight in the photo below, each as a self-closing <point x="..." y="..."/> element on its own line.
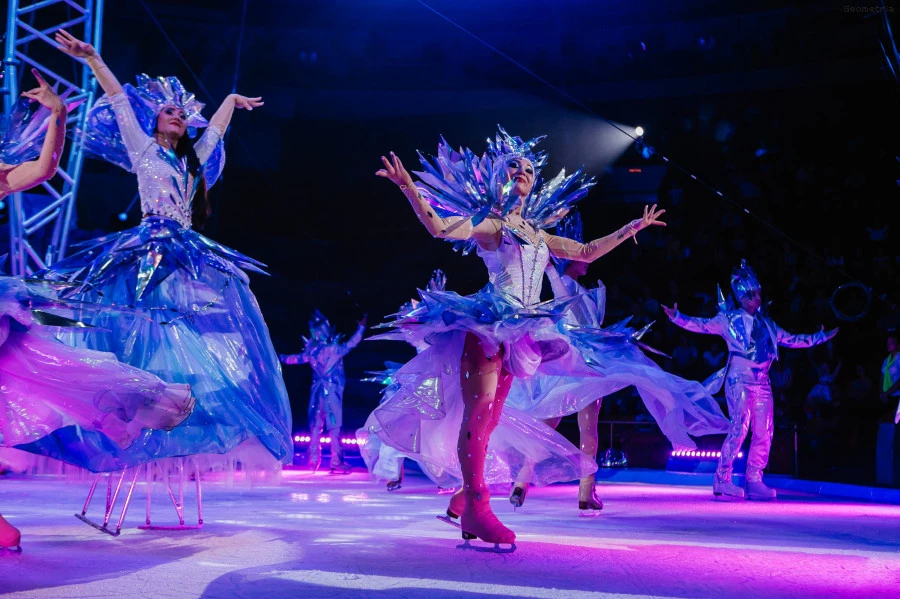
<point x="639" y="131"/>
<point x="123" y="217"/>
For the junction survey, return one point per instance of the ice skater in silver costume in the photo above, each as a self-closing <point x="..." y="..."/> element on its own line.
<point x="324" y="351"/>
<point x="753" y="339"/>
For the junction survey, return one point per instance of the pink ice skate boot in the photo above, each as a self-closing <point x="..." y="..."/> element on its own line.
<point x="478" y="521"/>
<point x="9" y="537"/>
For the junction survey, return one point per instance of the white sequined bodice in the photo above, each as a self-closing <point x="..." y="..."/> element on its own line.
<point x="164" y="184"/>
<point x="517" y="267"/>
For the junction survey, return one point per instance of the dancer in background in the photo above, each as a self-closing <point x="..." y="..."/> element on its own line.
<point x="193" y="318"/>
<point x="324" y="351"/>
<point x="753" y="339"/>
<point x="45" y="384"/>
<point x="447" y="402"/>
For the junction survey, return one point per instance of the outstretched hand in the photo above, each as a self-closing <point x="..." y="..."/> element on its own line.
<point x="829" y="335"/>
<point x="362" y="321"/>
<point x="246" y="103"/>
<point x="670" y="312"/>
<point x="44" y="94"/>
<point x="393" y="170"/>
<point x="73" y="46"/>
<point x="651" y="217"/>
<point x="287" y="359"/>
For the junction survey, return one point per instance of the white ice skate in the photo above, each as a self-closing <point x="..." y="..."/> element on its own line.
<point x="726" y="489"/>
<point x="758" y="491"/>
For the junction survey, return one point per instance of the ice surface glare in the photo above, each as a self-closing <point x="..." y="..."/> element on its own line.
<point x="362" y="582"/>
<point x="325" y="536"/>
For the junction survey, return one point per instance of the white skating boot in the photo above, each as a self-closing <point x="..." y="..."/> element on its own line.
<point x="758" y="491"/>
<point x="722" y="486"/>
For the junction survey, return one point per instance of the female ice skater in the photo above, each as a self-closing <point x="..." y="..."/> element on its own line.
<point x="44" y="384"/>
<point x="193" y="318"/>
<point x="447" y="402"/>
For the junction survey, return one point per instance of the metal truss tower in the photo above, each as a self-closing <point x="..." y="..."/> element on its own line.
<point x="40" y="223"/>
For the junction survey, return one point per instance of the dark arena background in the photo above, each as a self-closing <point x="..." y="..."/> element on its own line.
<point x="770" y="134"/>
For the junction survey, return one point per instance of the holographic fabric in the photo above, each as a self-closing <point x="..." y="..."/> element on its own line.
<point x="753" y="341"/>
<point x="22" y="131"/>
<point x="610" y="359"/>
<point x="324" y="351"/>
<point x="423" y="407"/>
<point x="475" y="188"/>
<point x="119" y="129"/>
<point x="46" y="385"/>
<point x="179" y="306"/>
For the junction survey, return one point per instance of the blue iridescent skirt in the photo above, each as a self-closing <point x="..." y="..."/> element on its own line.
<point x="180" y="308"/>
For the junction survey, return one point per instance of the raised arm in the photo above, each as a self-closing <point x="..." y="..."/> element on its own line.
<point x="79" y="49"/>
<point x="133" y="136"/>
<point x="354" y="340"/>
<point x="219" y="124"/>
<point x="28" y="174"/>
<point x="222" y="118"/>
<point x="786" y="339"/>
<point x="569" y="249"/>
<point x="486" y="233"/>
<point x="706" y="326"/>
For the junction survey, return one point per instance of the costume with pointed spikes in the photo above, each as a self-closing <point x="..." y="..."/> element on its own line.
<point x="753" y="339"/>
<point x="47" y="385"/>
<point x="180" y="303"/>
<point x="324" y="351"/>
<point x="424" y="410"/>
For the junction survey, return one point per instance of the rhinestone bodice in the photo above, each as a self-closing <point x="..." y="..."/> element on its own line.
<point x="516" y="267"/>
<point x="165" y="186"/>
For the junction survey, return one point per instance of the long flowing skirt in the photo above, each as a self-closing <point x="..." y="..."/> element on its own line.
<point x="46" y="385"/>
<point x="608" y="363"/>
<point x="422" y="414"/>
<point x="180" y="308"/>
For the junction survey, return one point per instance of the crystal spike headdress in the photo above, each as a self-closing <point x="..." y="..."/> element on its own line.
<point x="320" y="330"/>
<point x="475" y="188"/>
<point x="744" y="281"/>
<point x="101" y="135"/>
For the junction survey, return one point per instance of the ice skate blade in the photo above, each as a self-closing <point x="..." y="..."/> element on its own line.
<point x="339" y="471"/>
<point x="724" y="497"/>
<point x="466" y="544"/>
<point x="171" y="527"/>
<point x="760" y="498"/>
<point x="100" y="527"/>
<point x="448" y="520"/>
<point x="589" y="513"/>
<point x="394" y="485"/>
<point x="10" y="550"/>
